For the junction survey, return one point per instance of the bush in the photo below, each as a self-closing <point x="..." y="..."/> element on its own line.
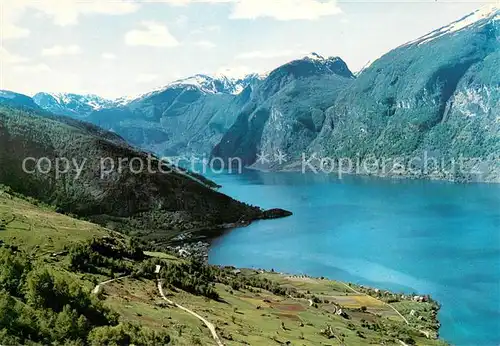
<point x="193" y="277"/>
<point x="13" y="269"/>
<point x="127" y="334"/>
<point x="104" y="255"/>
<point x="48" y="290"/>
<point x="50" y="308"/>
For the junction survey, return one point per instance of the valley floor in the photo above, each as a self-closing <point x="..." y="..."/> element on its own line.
<point x="253" y="316"/>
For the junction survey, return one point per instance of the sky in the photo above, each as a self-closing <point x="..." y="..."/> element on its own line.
<point x="116" y="48"/>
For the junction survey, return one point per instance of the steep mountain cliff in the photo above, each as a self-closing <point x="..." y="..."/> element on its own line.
<point x="179" y="120"/>
<point x="435" y="96"/>
<point x="285" y="113"/>
<point x="427" y="109"/>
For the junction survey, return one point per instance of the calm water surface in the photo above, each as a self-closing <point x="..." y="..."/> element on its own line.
<point x="413" y="236"/>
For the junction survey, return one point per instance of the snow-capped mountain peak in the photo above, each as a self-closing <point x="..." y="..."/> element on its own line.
<point x="71" y="104"/>
<point x="219" y="83"/>
<point x="208" y="84"/>
<point x="314" y="56"/>
<point x="479" y="17"/>
<point x="314" y="63"/>
<point x="317" y="57"/>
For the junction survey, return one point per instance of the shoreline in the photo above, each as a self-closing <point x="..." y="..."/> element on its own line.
<point x="199" y="250"/>
<point x="423" y="309"/>
<point x="295" y="168"/>
<point x="196" y="243"/>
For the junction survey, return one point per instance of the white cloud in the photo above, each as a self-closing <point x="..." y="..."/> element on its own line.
<point x="214" y="28"/>
<point x="67" y="12"/>
<point x="205" y="44"/>
<point x="276" y="9"/>
<point x="41" y="78"/>
<point x="108" y="56"/>
<point x="62" y="12"/>
<point x="284" y="9"/>
<point x="11" y="31"/>
<point x="16" y="69"/>
<point x="146" y="78"/>
<point x="7" y="57"/>
<point x="188" y="2"/>
<point x="12" y="11"/>
<point x="182" y="21"/>
<point x="266" y="54"/>
<point x="206" y="29"/>
<point x="32" y="68"/>
<point x="154" y="34"/>
<point x="59" y="50"/>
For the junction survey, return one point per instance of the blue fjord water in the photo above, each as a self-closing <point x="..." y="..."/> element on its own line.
<point x="429" y="237"/>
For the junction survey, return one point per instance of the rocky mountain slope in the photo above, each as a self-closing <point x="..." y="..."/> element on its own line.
<point x="285" y="113"/>
<point x="185" y="117"/>
<point x="437" y="95"/>
<point x="155" y="199"/>
<point x="10" y="98"/>
<point x="219" y="84"/>
<point x="434" y="97"/>
<point x="72" y="105"/>
<point x="179" y="120"/>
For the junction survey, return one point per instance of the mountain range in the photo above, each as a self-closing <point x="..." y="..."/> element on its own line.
<point x="72" y="105"/>
<point x="437" y="95"/>
<point x="80" y="106"/>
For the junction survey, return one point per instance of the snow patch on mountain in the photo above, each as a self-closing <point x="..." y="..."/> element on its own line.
<point x="7" y="94"/>
<point x="479" y="17"/>
<point x="319" y="58"/>
<point x="208" y="84"/>
<point x="71" y="104"/>
<point x="64" y="99"/>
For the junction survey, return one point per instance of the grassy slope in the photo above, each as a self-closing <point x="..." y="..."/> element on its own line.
<point x="253" y="316"/>
<point x="39" y="229"/>
<point x="258" y="317"/>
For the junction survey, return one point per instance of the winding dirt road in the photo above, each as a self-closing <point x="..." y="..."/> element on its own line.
<point x="209" y="325"/>
<point x="98" y="287"/>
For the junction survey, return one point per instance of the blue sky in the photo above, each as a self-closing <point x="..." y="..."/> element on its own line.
<point x="115" y="48"/>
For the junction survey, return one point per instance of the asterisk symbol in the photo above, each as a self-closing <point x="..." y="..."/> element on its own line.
<point x="262" y="158"/>
<point x="280" y="157"/>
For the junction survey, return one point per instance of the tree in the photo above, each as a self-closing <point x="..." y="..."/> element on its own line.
<point x="41" y="291"/>
<point x="12" y="270"/>
<point x="127" y="334"/>
<point x="109" y="336"/>
<point x="70" y="325"/>
<point x="8" y="314"/>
